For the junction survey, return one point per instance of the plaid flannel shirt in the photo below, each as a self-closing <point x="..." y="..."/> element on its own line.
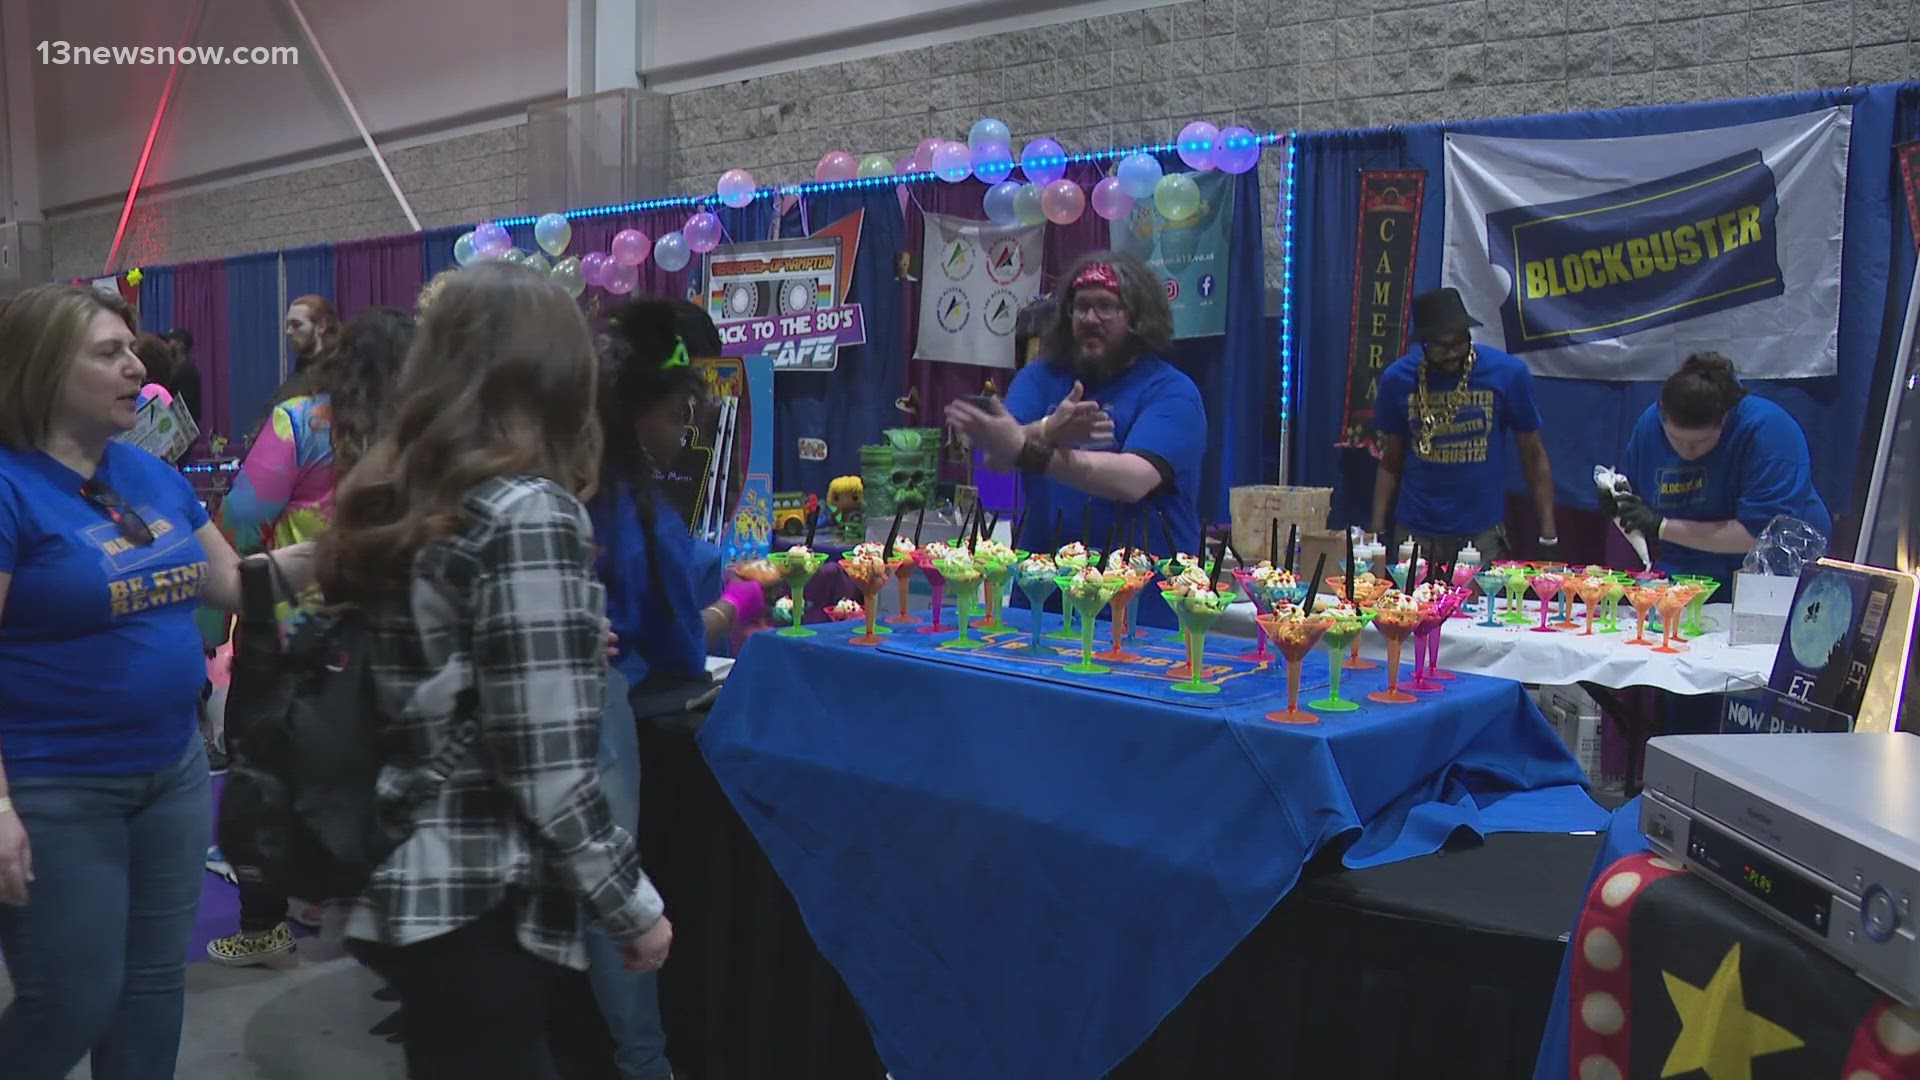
<point x="509" y="607"/>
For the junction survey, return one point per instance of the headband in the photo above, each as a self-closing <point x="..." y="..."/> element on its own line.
<point x="679" y="359"/>
<point x="1099" y="276"/>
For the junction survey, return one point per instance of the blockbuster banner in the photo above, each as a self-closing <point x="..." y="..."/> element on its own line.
<point x="1614" y="259"/>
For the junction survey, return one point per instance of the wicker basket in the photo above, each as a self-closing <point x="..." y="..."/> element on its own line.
<point x="1256" y="508"/>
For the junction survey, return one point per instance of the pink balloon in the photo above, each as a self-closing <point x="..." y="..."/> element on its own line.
<point x="491" y="240"/>
<point x="736" y="187"/>
<point x="1063" y="202"/>
<point x="630" y="247"/>
<point x="594" y="267"/>
<point x="836" y="165"/>
<point x="702" y="232"/>
<point x="953" y="162"/>
<point x="1110" y="201"/>
<point x="621" y="279"/>
<point x="1199" y="145"/>
<point x="923" y="154"/>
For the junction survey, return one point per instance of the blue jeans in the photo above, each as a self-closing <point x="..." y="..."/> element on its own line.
<point x="98" y="955"/>
<point x="630" y="1003"/>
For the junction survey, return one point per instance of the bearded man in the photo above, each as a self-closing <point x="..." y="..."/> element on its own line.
<point x="1107" y="434"/>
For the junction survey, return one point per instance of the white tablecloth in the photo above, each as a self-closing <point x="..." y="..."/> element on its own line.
<point x="1507" y="652"/>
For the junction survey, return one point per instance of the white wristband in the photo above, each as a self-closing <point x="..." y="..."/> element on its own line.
<point x="6" y="805"/>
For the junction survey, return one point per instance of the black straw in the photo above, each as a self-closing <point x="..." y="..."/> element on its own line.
<point x="1019" y="525"/>
<point x="813" y="524"/>
<point x="1173" y="545"/>
<point x="1352" y="570"/>
<point x="1273" y="542"/>
<point x="1293" y="539"/>
<point x="1413" y="567"/>
<point x="917" y="522"/>
<point x="1313" y="589"/>
<point x="1213" y="575"/>
<point x="893" y="533"/>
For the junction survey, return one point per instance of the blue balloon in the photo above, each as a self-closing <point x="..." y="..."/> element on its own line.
<point x="1044" y="161"/>
<point x="1139" y="175"/>
<point x="998" y="203"/>
<point x="988" y="132"/>
<point x="992" y="163"/>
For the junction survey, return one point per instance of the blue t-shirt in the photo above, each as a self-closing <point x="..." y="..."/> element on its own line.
<point x="101" y="663"/>
<point x="1459" y="487"/>
<point x="1758" y="469"/>
<point x="1156" y="413"/>
<point x="660" y="630"/>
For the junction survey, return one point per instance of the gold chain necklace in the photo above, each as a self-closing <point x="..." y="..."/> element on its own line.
<point x="1431" y="419"/>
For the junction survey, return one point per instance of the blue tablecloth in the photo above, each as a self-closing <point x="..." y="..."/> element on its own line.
<point x="1021" y="878"/>
<point x="1623" y="838"/>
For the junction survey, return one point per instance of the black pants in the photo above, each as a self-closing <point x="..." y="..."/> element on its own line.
<point x="474" y="1004"/>
<point x="262" y="907"/>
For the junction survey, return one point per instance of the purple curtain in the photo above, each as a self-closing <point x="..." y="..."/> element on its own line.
<point x="939" y="383"/>
<point x="200" y="307"/>
<point x="372" y="273"/>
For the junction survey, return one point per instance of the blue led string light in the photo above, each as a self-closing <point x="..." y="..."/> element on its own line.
<point x="712" y="202"/>
<point x="1286" y="311"/>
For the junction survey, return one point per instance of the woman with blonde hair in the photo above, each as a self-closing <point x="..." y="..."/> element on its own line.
<point x="461" y="540"/>
<point x="105" y="554"/>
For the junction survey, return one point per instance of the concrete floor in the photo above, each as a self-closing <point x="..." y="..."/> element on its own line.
<point x="308" y="1023"/>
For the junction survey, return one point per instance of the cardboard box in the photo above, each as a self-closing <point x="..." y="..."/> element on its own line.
<point x="1761" y="604"/>
<point x="1576" y="716"/>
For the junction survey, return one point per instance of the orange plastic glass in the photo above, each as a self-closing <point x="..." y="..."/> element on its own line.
<point x="1642" y="600"/>
<point x="1395" y="626"/>
<point x="903" y="569"/>
<point x="1136" y="581"/>
<point x="1294" y="640"/>
<point x="1671" y="603"/>
<point x="869" y="578"/>
<point x="1592" y="590"/>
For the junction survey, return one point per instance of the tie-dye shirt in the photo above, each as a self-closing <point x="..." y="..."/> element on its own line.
<point x="284" y="492"/>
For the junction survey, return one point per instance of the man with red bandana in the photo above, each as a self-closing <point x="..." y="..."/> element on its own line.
<point x="1105" y="431"/>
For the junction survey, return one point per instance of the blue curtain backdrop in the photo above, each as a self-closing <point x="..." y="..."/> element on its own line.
<point x="156" y="300"/>
<point x="1587" y="422"/>
<point x="436" y="250"/>
<point x="309" y="271"/>
<point x="253" y="335"/>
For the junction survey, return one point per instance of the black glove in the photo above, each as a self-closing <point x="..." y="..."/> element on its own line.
<point x="1635" y="515"/>
<point x="1609" y="505"/>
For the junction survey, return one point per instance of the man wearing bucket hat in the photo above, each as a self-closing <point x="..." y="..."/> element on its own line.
<point x="1446" y="413"/>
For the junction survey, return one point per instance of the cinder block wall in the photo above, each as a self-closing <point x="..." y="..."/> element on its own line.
<point x="1267" y="64"/>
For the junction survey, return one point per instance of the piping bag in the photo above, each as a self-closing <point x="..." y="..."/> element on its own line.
<point x="1613" y="483"/>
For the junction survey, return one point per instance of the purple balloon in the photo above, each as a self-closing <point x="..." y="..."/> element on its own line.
<point x="702" y="232"/>
<point x="992" y="163"/>
<point x="593" y="268"/>
<point x="1237" y="151"/>
<point x="1043" y="160"/>
<point x="1110" y="201"/>
<point x="492" y="240"/>
<point x="630" y="247"/>
<point x="952" y="162"/>
<point x="1199" y="142"/>
<point x="622" y="279"/>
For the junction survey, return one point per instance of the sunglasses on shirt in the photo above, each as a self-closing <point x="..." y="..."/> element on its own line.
<point x="131" y="525"/>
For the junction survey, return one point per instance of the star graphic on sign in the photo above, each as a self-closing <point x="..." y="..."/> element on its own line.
<point x="1718" y="1035"/>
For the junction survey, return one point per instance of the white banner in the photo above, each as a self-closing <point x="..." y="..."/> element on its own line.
<point x="1615" y="258"/>
<point x="975" y="277"/>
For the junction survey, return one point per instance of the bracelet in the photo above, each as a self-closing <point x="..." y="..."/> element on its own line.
<point x="1035" y="455"/>
<point x="1549" y="541"/>
<point x="6" y="805"/>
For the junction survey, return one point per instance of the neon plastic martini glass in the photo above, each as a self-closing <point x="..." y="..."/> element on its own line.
<point x="1671" y="603"/>
<point x="1489" y="582"/>
<point x="1546" y="587"/>
<point x="1694" y="623"/>
<point x="1426" y="642"/>
<point x="1463" y="579"/>
<point x="1264" y="597"/>
<point x="869" y="576"/>
<point x="1197" y="613"/>
<point x="1395" y="625"/>
<point x="1295" y="639"/>
<point x="1036" y="581"/>
<point x="797" y="572"/>
<point x="1168" y="570"/>
<point x="1136" y="581"/>
<point x="1073" y="565"/>
<point x="1365" y="592"/>
<point x="936" y="586"/>
<point x="1643" y="600"/>
<point x="1592" y="590"/>
<point x="1086" y="598"/>
<point x="1342" y="632"/>
<point x="903" y="569"/>
<point x="996" y="573"/>
<point x="1516" y="614"/>
<point x="1610" y="604"/>
<point x="966" y="580"/>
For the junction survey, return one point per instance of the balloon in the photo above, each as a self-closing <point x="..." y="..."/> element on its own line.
<point x="593" y="268"/>
<point x="987" y="133"/>
<point x="1138" y="173"/>
<point x="923" y="154"/>
<point x="1110" y="201"/>
<point x="702" y="233"/>
<point x="1027" y="206"/>
<point x="514" y="256"/>
<point x="464" y="252"/>
<point x="1042" y="161"/>
<point x="1197" y="143"/>
<point x="671" y="252"/>
<point x="1237" y="151"/>
<point x="622" y="279"/>
<point x="998" y="202"/>
<point x="491" y="240"/>
<point x="537" y="261"/>
<point x="553" y="233"/>
<point x="952" y="162"/>
<point x="567" y="273"/>
<point x="630" y="247"/>
<point x="1177" y="197"/>
<point x="836" y="165"/>
<point x="1063" y="202"/>
<point x="874" y="165"/>
<point x="735" y="188"/>
<point x="992" y="163"/>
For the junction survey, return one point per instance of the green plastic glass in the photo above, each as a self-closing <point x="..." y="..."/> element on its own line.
<point x="1036" y="585"/>
<point x="1086" y="602"/>
<point x="1516" y="613"/>
<point x="997" y="575"/>
<point x="1694" y="623"/>
<point x="1196" y="618"/>
<point x="1168" y="569"/>
<point x="1339" y="637"/>
<point x="797" y="572"/>
<point x="965" y="578"/>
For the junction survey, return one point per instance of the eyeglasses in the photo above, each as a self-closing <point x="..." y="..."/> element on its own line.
<point x="1097" y="309"/>
<point x="132" y="526"/>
